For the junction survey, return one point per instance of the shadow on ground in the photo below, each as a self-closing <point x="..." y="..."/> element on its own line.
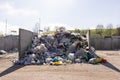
<point x="16" y="67"/>
<point x="109" y="65"/>
<point x="11" y="69"/>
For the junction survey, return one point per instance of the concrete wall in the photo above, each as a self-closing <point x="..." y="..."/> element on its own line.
<point x="25" y="40"/>
<point x="88" y="38"/>
<point x="9" y="42"/>
<point x="106" y="43"/>
<point x="116" y="43"/>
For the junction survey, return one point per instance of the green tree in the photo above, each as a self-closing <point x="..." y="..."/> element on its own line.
<point x="77" y="31"/>
<point x="118" y="30"/>
<point x="60" y="29"/>
<point x="83" y="31"/>
<point x="109" y="30"/>
<point x="99" y="30"/>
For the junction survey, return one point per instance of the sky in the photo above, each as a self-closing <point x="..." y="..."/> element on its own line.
<point x="73" y="14"/>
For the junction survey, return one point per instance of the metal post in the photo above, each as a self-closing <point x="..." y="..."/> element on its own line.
<point x="88" y="38"/>
<point x="39" y="25"/>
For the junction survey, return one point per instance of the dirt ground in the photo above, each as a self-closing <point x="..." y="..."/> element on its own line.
<point x="82" y="71"/>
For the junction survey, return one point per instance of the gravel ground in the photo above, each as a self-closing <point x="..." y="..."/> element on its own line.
<point x="107" y="71"/>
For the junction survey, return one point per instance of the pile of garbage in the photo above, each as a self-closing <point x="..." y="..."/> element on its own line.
<point x="59" y="48"/>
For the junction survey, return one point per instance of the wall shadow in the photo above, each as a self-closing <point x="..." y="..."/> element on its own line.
<point x="16" y="67"/>
<point x="11" y="69"/>
<point x="109" y="65"/>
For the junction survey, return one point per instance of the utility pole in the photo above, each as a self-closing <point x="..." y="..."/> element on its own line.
<point x="39" y="26"/>
<point x="5" y="27"/>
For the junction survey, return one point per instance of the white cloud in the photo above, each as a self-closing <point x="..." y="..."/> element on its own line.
<point x="58" y="4"/>
<point x="12" y="11"/>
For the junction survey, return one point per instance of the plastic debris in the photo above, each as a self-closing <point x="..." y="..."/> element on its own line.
<point x="3" y="52"/>
<point x="97" y="60"/>
<point x="58" y="63"/>
<point x="59" y="48"/>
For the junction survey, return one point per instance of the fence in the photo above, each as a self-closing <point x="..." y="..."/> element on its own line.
<point x="112" y="43"/>
<point x="9" y="42"/>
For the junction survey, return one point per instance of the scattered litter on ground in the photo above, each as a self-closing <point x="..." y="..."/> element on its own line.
<point x="3" y="52"/>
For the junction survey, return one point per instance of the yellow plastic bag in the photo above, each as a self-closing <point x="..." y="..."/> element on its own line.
<point x="58" y="63"/>
<point x="98" y="60"/>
